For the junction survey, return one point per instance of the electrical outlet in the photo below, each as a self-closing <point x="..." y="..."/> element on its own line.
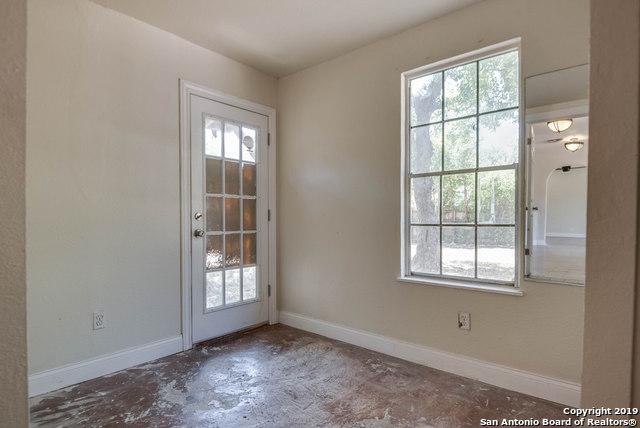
<point x="464" y="320"/>
<point x="98" y="320"/>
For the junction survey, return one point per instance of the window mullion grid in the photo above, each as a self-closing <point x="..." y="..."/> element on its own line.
<point x="224" y="217"/>
<point x="240" y="164"/>
<point x="479" y="225"/>
<point x="441" y="166"/>
<point x="464" y="171"/>
<point x="204" y="210"/>
<point x="469" y="116"/>
<point x="475" y="171"/>
<point x="475" y="192"/>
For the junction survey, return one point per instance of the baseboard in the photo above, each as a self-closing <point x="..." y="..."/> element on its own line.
<point x="70" y="374"/>
<point x="556" y="390"/>
<point x="566" y="235"/>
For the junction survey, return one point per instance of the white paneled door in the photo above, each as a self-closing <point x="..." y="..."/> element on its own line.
<point x="229" y="208"/>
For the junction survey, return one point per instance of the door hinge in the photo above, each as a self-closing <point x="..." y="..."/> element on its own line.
<point x="526" y="252"/>
<point x="269" y="290"/>
<point x="268" y="138"/>
<point x="529" y="141"/>
<point x="268" y="215"/>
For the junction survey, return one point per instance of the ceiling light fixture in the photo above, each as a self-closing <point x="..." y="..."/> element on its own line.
<point x="560" y="125"/>
<point x="574" y="145"/>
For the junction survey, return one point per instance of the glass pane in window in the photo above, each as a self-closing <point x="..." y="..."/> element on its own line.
<point x="499" y="82"/>
<point x="460" y="144"/>
<point x="231" y="141"/>
<point x="214" y="175"/>
<point x="496" y="253"/>
<point x="232" y="214"/>
<point x="232" y="248"/>
<point x="426" y="99"/>
<point x="249" y="144"/>
<point x="425" y="200"/>
<point x="458" y="198"/>
<point x="213" y="297"/>
<point x="212" y="136"/>
<point x="499" y="134"/>
<point x="426" y="149"/>
<point x="497" y="197"/>
<point x="232" y="178"/>
<point x="425" y="249"/>
<point x="249" y="288"/>
<point x="248" y="179"/>
<point x="458" y="251"/>
<point x="249" y="249"/>
<point x="460" y="91"/>
<point x="214" y="214"/>
<point x="214" y="252"/>
<point x="232" y="286"/>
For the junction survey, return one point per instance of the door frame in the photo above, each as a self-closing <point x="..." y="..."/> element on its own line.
<point x="187" y="89"/>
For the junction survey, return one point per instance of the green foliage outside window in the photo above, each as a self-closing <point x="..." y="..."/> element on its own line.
<point x="465" y="119"/>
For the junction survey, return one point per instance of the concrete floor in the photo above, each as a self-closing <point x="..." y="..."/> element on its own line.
<point x="562" y="259"/>
<point x="277" y="376"/>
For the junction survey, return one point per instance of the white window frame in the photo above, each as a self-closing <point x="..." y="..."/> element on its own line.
<point x="500" y="287"/>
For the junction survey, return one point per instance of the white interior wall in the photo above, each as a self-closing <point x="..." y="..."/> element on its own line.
<point x="103" y="175"/>
<point x="567" y="204"/>
<point x="547" y="157"/>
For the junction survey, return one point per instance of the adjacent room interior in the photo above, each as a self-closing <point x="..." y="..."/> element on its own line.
<point x="299" y="213"/>
<point x="557" y="127"/>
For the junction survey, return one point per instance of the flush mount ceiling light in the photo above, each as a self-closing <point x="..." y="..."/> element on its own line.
<point x="560" y="125"/>
<point x="573" y="145"/>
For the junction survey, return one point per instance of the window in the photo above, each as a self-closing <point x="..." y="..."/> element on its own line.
<point x="462" y="136"/>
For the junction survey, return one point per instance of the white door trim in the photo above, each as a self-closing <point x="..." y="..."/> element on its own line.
<point x="186" y="90"/>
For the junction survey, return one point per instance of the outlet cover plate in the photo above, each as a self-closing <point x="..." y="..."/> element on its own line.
<point x="98" y="320"/>
<point x="464" y="320"/>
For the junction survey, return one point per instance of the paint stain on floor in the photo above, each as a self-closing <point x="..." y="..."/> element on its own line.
<point x="278" y="376"/>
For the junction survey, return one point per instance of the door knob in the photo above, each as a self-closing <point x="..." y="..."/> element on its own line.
<point x="198" y="233"/>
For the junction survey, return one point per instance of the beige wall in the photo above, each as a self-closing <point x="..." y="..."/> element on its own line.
<point x="13" y="334"/>
<point x="612" y="234"/>
<point x="102" y="175"/>
<point x="339" y="194"/>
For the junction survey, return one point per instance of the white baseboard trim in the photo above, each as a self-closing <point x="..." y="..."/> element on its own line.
<point x="556" y="390"/>
<point x="566" y="235"/>
<point x="70" y="374"/>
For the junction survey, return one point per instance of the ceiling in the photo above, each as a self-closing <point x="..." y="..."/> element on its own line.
<point x="579" y="129"/>
<point x="280" y="37"/>
<point x="559" y="86"/>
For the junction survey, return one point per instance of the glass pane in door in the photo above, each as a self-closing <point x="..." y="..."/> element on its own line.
<point x="214" y="289"/>
<point x="231" y="272"/>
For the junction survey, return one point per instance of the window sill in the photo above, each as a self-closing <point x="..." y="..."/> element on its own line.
<point x="464" y="285"/>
